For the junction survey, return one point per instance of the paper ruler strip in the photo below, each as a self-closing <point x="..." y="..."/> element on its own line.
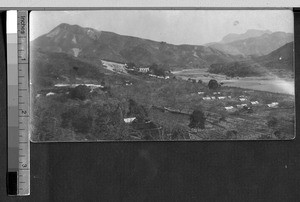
<point x="18" y="106"/>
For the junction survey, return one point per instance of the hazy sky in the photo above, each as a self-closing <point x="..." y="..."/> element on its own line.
<point x="176" y="27"/>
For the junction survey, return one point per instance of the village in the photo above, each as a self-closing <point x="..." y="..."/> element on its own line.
<point x="130" y="68"/>
<point x="147" y="70"/>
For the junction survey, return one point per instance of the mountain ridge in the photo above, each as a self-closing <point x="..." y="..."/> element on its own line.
<point x="248" y="34"/>
<point x="255" y="46"/>
<point x="91" y="43"/>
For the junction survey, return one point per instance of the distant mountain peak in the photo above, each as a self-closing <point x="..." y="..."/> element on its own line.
<point x="253" y="42"/>
<point x="258" y="31"/>
<point x="65" y="31"/>
<point x="248" y="34"/>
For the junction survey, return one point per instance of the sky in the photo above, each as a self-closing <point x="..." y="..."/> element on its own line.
<point x="195" y="27"/>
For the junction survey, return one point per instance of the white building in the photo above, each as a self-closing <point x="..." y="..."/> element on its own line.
<point x="243" y="99"/>
<point x="129" y="120"/>
<point x="229" y="108"/>
<point x="206" y="98"/>
<point x="273" y="105"/>
<point x="144" y="69"/>
<point x="255" y="103"/>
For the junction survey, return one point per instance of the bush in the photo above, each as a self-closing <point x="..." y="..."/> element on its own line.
<point x="197" y="119"/>
<point x="213" y="84"/>
<point x="80" y="92"/>
<point x="137" y="111"/>
<point x="159" y="71"/>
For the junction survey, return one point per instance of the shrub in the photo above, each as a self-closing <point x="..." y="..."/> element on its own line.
<point x="137" y="111"/>
<point x="213" y="84"/>
<point x="197" y="119"/>
<point x="157" y="70"/>
<point x="80" y="92"/>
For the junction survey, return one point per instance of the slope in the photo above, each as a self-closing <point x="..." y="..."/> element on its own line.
<point x="90" y="44"/>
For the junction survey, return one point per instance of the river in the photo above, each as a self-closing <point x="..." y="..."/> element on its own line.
<point x="264" y="83"/>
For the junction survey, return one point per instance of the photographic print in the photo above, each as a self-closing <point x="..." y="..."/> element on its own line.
<point x="162" y="75"/>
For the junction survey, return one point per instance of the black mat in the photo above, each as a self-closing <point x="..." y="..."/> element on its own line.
<point x="176" y="171"/>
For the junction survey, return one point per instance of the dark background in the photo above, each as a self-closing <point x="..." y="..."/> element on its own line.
<point x="159" y="171"/>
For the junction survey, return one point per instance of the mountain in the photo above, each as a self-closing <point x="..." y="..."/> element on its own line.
<point x="248" y="34"/>
<point x="279" y="62"/>
<point x="48" y="68"/>
<point x="92" y="45"/>
<point x="257" y="46"/>
<point x="282" y="58"/>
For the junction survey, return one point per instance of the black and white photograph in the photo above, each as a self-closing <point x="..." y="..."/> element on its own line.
<point x="161" y="75"/>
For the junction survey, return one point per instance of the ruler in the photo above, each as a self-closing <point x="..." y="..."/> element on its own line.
<point x="18" y="109"/>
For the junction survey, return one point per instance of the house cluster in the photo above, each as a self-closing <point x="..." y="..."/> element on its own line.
<point x="137" y="69"/>
<point x="159" y="77"/>
<point x="273" y="105"/>
<point x="252" y="103"/>
<point x="242" y="98"/>
<point x="215" y="97"/>
<point x="144" y="69"/>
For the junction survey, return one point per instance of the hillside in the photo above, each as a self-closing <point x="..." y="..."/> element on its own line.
<point x="90" y="44"/>
<point x="257" y="46"/>
<point x="238" y="69"/>
<point x="278" y="62"/>
<point x="281" y="58"/>
<point x="79" y="96"/>
<point x="49" y="68"/>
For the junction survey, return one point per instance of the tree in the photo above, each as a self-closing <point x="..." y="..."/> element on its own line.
<point x="137" y="111"/>
<point x="80" y="92"/>
<point x="197" y="119"/>
<point x="155" y="69"/>
<point x="130" y="65"/>
<point x="213" y="84"/>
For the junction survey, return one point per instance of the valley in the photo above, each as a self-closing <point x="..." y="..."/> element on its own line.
<point x="269" y="83"/>
<point x="122" y="88"/>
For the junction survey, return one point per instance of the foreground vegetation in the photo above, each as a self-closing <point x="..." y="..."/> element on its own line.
<point x="163" y="110"/>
